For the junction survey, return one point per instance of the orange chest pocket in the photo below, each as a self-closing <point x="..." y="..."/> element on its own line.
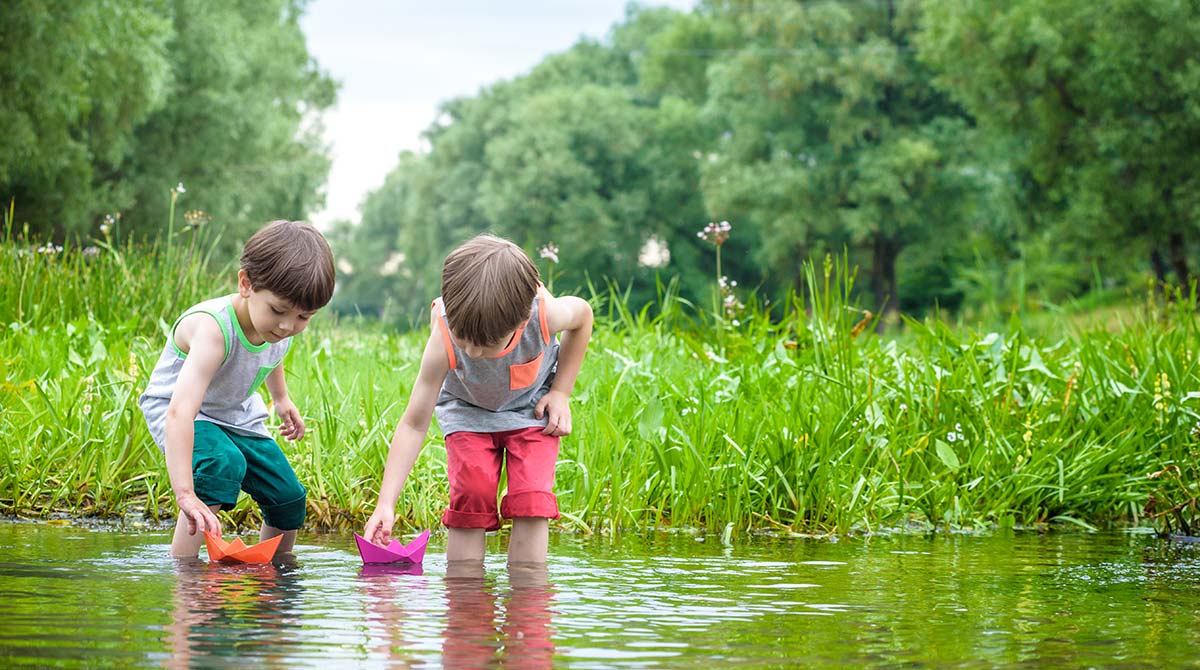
<point x="523" y="375"/>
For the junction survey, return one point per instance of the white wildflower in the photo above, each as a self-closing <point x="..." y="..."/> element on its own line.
<point x="654" y="253"/>
<point x="716" y="233"/>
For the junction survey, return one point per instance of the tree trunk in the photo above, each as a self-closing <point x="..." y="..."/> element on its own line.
<point x="1160" y="269"/>
<point x="1177" y="254"/>
<point x="883" y="281"/>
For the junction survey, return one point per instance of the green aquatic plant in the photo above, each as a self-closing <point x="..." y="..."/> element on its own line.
<point x="797" y="419"/>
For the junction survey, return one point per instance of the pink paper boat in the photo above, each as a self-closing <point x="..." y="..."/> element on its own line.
<point x="413" y="552"/>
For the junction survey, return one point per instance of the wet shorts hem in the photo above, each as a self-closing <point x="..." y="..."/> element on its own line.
<point x="286" y="516"/>
<point x="455" y="519"/>
<point x="529" y="504"/>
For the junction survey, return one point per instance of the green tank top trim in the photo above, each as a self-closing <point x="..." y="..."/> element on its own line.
<point x="237" y="327"/>
<point x="216" y="317"/>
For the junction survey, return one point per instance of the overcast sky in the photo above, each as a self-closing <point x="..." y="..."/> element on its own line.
<point x="397" y="59"/>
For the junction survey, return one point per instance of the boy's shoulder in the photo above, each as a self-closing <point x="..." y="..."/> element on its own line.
<point x="213" y="306"/>
<point x="205" y="324"/>
<point x="565" y="312"/>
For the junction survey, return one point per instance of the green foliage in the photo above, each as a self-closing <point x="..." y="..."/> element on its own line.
<point x="834" y="136"/>
<point x="971" y="156"/>
<point x="241" y="122"/>
<point x="104" y="106"/>
<point x="76" y="79"/>
<point x="1098" y="102"/>
<point x="571" y="154"/>
<point x="801" y="420"/>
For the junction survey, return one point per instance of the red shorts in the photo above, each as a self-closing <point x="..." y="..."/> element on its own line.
<point x="473" y="463"/>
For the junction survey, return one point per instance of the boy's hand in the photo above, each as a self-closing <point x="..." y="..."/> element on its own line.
<point x="198" y="515"/>
<point x="379" y="526"/>
<point x="291" y="425"/>
<point x="557" y="407"/>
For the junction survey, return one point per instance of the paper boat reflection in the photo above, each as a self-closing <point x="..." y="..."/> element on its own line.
<point x="238" y="552"/>
<point x="385" y="569"/>
<point x="413" y="552"/>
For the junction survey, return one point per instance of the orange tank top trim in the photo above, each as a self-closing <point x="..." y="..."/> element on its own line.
<point x="512" y="344"/>
<point x="542" y="318"/>
<point x="439" y="312"/>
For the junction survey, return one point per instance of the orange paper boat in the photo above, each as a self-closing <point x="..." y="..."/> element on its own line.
<point x="238" y="552"/>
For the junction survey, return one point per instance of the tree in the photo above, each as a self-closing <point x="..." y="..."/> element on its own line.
<point x="105" y="105"/>
<point x="574" y="153"/>
<point x="76" y="78"/>
<point x="241" y="127"/>
<point x="1100" y="98"/>
<point x="833" y="136"/>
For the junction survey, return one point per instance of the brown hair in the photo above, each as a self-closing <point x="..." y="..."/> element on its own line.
<point x="292" y="260"/>
<point x="488" y="287"/>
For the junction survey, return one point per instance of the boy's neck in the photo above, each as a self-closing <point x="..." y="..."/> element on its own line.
<point x="242" y="312"/>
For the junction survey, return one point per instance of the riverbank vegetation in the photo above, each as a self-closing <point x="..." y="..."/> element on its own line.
<point x="790" y="417"/>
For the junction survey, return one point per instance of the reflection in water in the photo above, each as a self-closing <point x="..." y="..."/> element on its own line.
<point x="484" y="625"/>
<point x="527" y="630"/>
<point x="387" y="610"/>
<point x="485" y="628"/>
<point x="225" y="613"/>
<point x="471" y="639"/>
<point x="664" y="601"/>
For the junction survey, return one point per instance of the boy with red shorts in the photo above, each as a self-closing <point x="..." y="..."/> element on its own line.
<point x="499" y="382"/>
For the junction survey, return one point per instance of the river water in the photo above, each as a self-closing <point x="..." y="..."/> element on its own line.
<point x="76" y="597"/>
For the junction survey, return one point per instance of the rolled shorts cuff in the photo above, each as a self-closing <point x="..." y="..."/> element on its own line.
<point x="539" y="504"/>
<point x="286" y="516"/>
<point x="456" y="519"/>
<point x="215" y="490"/>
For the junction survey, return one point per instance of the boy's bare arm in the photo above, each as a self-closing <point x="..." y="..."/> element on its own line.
<point x="409" y="437"/>
<point x="573" y="317"/>
<point x="292" y="424"/>
<point x="200" y="338"/>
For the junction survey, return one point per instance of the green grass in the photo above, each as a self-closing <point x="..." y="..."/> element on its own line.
<point x="786" y="421"/>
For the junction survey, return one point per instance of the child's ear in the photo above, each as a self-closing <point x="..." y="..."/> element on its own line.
<point x="244" y="287"/>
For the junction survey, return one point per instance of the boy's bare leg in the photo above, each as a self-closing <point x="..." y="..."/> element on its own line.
<point x="285" y="545"/>
<point x="528" y="575"/>
<point x="529" y="540"/>
<point x="466" y="544"/>
<point x="184" y="545"/>
<point x="465" y="571"/>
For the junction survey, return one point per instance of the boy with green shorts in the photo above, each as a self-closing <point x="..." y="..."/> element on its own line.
<point x="201" y="403"/>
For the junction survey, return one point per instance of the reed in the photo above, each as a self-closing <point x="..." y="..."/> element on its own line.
<point x="792" y="417"/>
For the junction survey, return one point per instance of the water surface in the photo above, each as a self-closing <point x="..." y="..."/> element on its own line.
<point x="72" y="597"/>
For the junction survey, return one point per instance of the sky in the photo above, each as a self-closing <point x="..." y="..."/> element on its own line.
<point x="397" y="60"/>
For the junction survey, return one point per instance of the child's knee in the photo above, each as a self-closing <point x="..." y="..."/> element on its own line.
<point x="529" y="504"/>
<point x="472" y="505"/>
<point x="287" y="506"/>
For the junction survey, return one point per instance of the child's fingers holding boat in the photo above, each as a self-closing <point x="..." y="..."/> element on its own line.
<point x="199" y="516"/>
<point x="379" y="526"/>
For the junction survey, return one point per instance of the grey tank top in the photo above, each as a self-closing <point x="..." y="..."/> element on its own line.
<point x="496" y="394"/>
<point x="231" y="400"/>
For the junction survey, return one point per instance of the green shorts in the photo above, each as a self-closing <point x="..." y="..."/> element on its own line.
<point x="225" y="462"/>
